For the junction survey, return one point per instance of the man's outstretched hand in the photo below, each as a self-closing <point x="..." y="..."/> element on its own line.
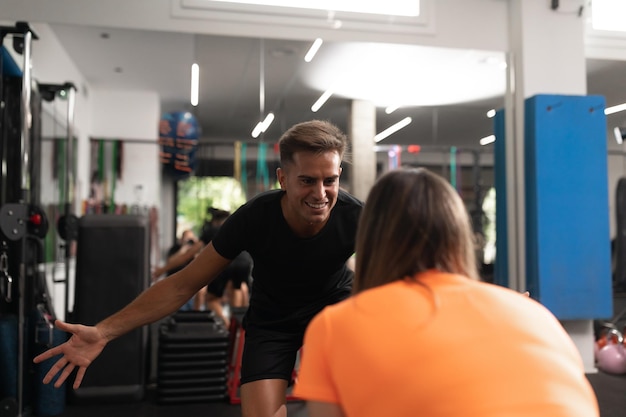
<point x="79" y="351"/>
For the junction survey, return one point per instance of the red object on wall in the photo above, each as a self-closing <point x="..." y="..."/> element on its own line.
<point x="414" y="148"/>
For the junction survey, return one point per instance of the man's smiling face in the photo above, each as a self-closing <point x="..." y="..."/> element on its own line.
<point x="311" y="183"/>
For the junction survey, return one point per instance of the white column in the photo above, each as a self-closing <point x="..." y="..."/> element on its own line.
<point x="547" y="51"/>
<point x="361" y="131"/>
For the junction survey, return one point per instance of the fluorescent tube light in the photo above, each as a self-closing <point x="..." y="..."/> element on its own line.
<point x="313" y="49"/>
<point x="391" y="109"/>
<point x="618" y="135"/>
<point x="268" y="121"/>
<point x="615" y="109"/>
<point x="393" y="129"/>
<point x="262" y="126"/>
<point x="257" y="130"/>
<point x="487" y="140"/>
<point x="320" y="101"/>
<point x="195" y="78"/>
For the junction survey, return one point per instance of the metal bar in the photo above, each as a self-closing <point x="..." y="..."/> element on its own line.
<point x="69" y="155"/>
<point x="69" y="192"/>
<point x="25" y="155"/>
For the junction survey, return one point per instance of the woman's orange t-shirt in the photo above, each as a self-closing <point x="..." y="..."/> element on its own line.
<point x="446" y="346"/>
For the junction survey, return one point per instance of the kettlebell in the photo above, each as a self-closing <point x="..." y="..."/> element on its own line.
<point x="611" y="358"/>
<point x="603" y="337"/>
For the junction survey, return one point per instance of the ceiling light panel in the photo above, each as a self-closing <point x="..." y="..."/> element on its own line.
<point x="387" y="74"/>
<point x="388" y="7"/>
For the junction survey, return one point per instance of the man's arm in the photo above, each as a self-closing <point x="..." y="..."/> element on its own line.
<point x="156" y="302"/>
<point x="165" y="296"/>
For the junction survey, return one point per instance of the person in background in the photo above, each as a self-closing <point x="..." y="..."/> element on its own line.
<point x="221" y="294"/>
<point x="239" y="281"/>
<point x="299" y="237"/>
<point x="204" y="300"/>
<point x="234" y="281"/>
<point x="422" y="335"/>
<point x="179" y="259"/>
<point x="185" y="244"/>
<point x="230" y="286"/>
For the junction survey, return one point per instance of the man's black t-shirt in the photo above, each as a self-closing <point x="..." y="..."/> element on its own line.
<point x="294" y="278"/>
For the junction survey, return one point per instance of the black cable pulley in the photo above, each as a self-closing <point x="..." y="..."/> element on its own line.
<point x="67" y="226"/>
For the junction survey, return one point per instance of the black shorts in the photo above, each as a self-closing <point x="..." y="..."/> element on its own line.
<point x="237" y="272"/>
<point x="217" y="286"/>
<point x="269" y="354"/>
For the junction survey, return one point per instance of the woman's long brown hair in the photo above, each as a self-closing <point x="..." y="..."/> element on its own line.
<point x="413" y="221"/>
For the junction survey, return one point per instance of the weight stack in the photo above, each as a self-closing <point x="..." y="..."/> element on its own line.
<point x="50" y="401"/>
<point x="192" y="359"/>
<point x="112" y="268"/>
<point x="8" y="356"/>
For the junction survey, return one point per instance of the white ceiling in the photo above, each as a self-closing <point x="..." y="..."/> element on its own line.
<point x="230" y="66"/>
<point x="230" y="80"/>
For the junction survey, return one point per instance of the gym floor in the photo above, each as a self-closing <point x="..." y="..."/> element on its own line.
<point x="610" y="391"/>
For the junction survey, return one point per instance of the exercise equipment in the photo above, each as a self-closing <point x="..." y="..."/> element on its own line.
<point x="19" y="122"/>
<point x="50" y="401"/>
<point x="112" y="269"/>
<point x="8" y="356"/>
<point x="611" y="357"/>
<point x="262" y="171"/>
<point x="192" y="359"/>
<point x="8" y="408"/>
<point x="619" y="252"/>
<point x="67" y="224"/>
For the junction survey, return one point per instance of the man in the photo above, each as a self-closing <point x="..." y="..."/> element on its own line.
<point x="299" y="237"/>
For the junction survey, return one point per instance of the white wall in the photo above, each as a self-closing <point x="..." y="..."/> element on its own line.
<point x="125" y="114"/>
<point x="134" y="117"/>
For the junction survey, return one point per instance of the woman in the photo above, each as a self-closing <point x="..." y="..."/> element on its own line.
<point x="422" y="335"/>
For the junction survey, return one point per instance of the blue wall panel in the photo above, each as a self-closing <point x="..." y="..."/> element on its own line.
<point x="567" y="205"/>
<point x="568" y="260"/>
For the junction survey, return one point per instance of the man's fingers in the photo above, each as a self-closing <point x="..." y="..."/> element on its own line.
<point x="79" y="377"/>
<point x="66" y="327"/>
<point x="55" y="369"/>
<point x="64" y="375"/>
<point x="47" y="354"/>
